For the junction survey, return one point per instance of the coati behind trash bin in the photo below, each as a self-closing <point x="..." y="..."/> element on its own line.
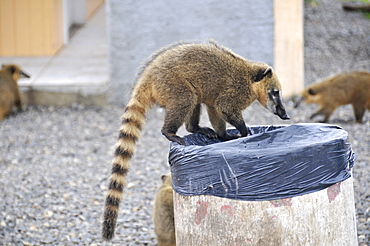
<point x="180" y="78"/>
<point x="163" y="213"/>
<point x="9" y="91"/>
<point x="341" y="89"/>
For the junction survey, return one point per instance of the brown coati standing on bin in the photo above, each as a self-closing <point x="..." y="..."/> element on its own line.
<point x="9" y="91"/>
<point x="344" y="88"/>
<point x="163" y="213"/>
<point x="180" y="78"/>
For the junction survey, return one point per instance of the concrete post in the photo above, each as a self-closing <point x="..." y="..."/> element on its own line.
<point x="325" y="217"/>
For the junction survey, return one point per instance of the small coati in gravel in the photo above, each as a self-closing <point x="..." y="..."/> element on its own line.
<point x="163" y="213"/>
<point x="341" y="89"/>
<point x="180" y="78"/>
<point x="9" y="91"/>
<point x="365" y="7"/>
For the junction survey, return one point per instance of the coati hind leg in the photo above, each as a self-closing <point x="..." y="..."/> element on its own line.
<point x="176" y="114"/>
<point x="192" y="124"/>
<point x="359" y="111"/>
<point x="2" y="114"/>
<point x="18" y="103"/>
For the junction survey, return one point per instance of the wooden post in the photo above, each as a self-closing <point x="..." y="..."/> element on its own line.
<point x="326" y="217"/>
<point x="30" y="27"/>
<point x="92" y="6"/>
<point x="288" y="50"/>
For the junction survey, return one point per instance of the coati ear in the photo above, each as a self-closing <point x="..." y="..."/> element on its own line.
<point x="311" y="92"/>
<point x="163" y="177"/>
<point x="268" y="71"/>
<point x="13" y="69"/>
<point x="262" y="73"/>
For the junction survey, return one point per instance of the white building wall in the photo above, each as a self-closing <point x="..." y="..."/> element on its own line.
<point x="137" y="28"/>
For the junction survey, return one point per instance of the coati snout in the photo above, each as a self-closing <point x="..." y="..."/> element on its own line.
<point x="269" y="93"/>
<point x="15" y="71"/>
<point x="275" y="104"/>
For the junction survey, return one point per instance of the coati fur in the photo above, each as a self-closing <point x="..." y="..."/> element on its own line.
<point x="341" y="89"/>
<point x="351" y="7"/>
<point x="163" y="213"/>
<point x="180" y="78"/>
<point x="9" y="91"/>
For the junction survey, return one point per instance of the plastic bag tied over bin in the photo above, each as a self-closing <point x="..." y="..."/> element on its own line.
<point x="274" y="162"/>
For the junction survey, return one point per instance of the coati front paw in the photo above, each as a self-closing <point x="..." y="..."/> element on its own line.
<point x="229" y="136"/>
<point x="178" y="140"/>
<point x="173" y="137"/>
<point x="210" y="133"/>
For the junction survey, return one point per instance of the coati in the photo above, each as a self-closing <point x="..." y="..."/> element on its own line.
<point x="357" y="8"/>
<point x="163" y="213"/>
<point x="9" y="91"/>
<point x="180" y="78"/>
<point x="341" y="89"/>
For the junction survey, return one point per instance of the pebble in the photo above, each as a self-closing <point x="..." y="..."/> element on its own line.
<point x="52" y="199"/>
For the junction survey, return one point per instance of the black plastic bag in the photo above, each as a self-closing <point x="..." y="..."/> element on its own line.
<point x="274" y="162"/>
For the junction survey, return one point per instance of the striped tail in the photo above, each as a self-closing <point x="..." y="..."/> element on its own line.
<point x="129" y="133"/>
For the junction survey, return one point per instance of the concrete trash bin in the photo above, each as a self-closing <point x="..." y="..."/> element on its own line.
<point x="283" y="185"/>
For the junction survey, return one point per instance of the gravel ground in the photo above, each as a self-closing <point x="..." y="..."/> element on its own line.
<point x="55" y="161"/>
<point x="335" y="40"/>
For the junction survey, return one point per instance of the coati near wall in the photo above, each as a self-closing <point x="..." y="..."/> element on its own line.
<point x="180" y="78"/>
<point x="9" y="91"/>
<point x="163" y="213"/>
<point x="365" y="7"/>
<point x="344" y="88"/>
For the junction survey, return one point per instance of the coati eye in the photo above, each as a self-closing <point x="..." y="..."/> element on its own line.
<point x="273" y="92"/>
<point x="311" y="92"/>
<point x="13" y="69"/>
